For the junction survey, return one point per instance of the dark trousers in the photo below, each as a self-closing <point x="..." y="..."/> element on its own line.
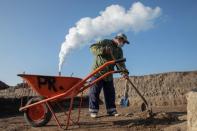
<point x="109" y="94"/>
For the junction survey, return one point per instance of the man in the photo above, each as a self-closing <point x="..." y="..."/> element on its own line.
<point x="103" y="51"/>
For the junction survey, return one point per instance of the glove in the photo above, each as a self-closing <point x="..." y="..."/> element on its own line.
<point x="125" y="76"/>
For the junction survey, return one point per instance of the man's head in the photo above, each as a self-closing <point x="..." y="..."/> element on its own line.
<point x="121" y="39"/>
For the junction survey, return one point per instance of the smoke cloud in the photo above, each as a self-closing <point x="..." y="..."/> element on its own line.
<point x="114" y="18"/>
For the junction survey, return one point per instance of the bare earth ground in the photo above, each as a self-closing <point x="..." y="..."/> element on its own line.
<point x="164" y="119"/>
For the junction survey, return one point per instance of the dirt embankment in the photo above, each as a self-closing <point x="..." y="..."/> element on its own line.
<point x="3" y="85"/>
<point x="166" y="89"/>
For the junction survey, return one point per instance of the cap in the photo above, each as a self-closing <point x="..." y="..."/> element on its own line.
<point x="123" y="36"/>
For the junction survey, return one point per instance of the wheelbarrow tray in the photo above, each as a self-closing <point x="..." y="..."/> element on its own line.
<point x="49" y="86"/>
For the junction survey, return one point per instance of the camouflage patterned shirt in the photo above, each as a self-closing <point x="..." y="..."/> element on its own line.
<point x="98" y="49"/>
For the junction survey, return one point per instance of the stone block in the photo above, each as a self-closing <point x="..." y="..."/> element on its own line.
<point x="192" y="111"/>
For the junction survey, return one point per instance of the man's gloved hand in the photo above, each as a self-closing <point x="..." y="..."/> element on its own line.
<point x="125" y="76"/>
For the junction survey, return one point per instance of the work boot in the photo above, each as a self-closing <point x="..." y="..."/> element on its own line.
<point x="114" y="113"/>
<point x="93" y="115"/>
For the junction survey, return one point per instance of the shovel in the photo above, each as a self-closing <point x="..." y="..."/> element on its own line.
<point x="124" y="102"/>
<point x="144" y="105"/>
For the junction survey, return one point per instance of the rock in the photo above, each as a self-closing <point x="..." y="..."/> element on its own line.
<point x="129" y="114"/>
<point x="192" y="111"/>
<point x="182" y="118"/>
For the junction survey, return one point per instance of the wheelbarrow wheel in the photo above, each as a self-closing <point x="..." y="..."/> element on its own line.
<point x="38" y="115"/>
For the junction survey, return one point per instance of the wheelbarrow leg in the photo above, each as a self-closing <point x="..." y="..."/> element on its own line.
<point x="81" y="99"/>
<point x="70" y="109"/>
<point x="54" y="116"/>
<point x="61" y="108"/>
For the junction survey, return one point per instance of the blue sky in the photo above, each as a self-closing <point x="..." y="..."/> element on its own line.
<point x="31" y="34"/>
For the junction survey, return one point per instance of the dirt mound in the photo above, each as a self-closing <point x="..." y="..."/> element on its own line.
<point x="167" y="89"/>
<point x="3" y="85"/>
<point x="16" y="93"/>
<point x="143" y="118"/>
<point x="19" y="91"/>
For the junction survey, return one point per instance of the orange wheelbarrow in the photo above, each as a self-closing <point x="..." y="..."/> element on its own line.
<point x="38" y="111"/>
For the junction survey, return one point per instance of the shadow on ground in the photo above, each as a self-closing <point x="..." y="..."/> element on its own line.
<point x="10" y="107"/>
<point x="157" y="119"/>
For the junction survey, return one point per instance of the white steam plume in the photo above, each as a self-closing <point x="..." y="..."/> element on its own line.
<point x="113" y="19"/>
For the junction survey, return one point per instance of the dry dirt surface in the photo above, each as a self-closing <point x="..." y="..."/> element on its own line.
<point x="163" y="119"/>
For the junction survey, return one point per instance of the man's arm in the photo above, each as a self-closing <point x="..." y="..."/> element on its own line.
<point x="122" y="66"/>
<point x="99" y="48"/>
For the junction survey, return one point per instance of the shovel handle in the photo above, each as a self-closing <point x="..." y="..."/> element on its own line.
<point x="141" y="96"/>
<point x="138" y="92"/>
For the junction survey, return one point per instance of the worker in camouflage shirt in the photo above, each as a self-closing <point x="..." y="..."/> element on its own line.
<point x="102" y="51"/>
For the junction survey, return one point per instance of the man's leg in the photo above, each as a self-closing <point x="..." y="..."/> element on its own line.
<point x="94" y="93"/>
<point x="109" y="93"/>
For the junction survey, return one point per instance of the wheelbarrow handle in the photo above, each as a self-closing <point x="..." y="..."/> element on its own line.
<point x="120" y="60"/>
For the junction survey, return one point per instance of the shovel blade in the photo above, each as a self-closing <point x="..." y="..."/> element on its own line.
<point x="124" y="102"/>
<point x="143" y="107"/>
